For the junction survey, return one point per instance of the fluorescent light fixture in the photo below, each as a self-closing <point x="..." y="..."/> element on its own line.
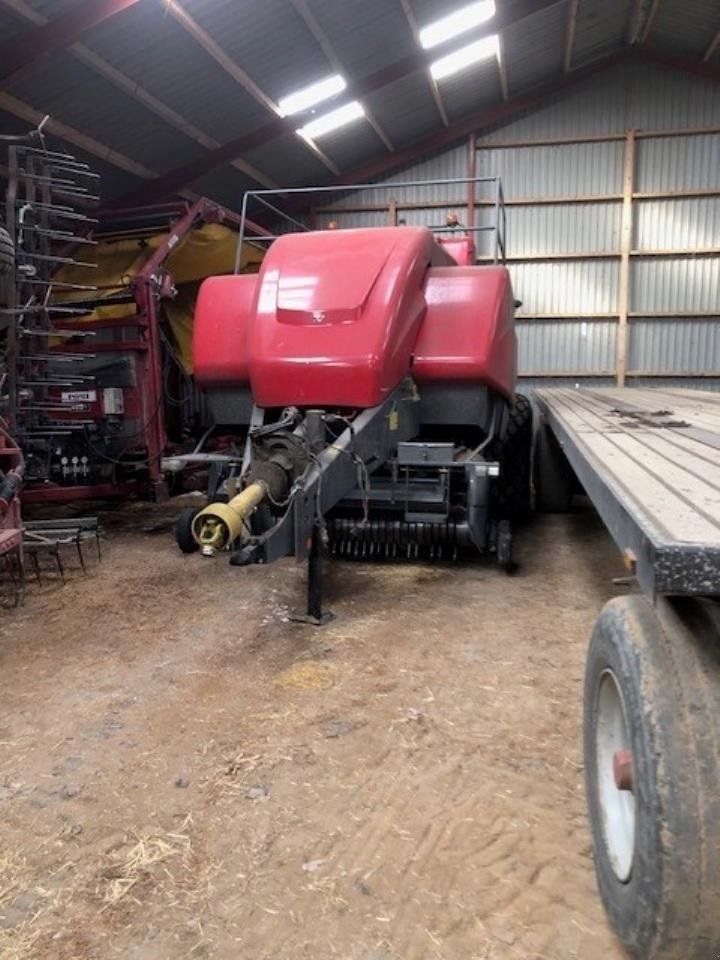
<point x="462" y="20"/>
<point x="465" y="56"/>
<point x="332" y="120"/>
<point x="309" y="96"/>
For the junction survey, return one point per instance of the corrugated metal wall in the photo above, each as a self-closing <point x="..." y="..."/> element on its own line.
<point x="563" y="331"/>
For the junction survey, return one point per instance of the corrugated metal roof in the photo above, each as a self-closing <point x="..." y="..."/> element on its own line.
<point x="366" y="36"/>
<point x="471" y="89"/>
<point x="352" y="145"/>
<point x="534" y="48"/>
<point x="267" y="38"/>
<point x="73" y="93"/>
<point x="288" y="162"/>
<point x="600" y="29"/>
<point x="11" y="26"/>
<point x="405" y="109"/>
<point x="113" y="182"/>
<point x="687" y="26"/>
<point x="271" y="42"/>
<point x="152" y="48"/>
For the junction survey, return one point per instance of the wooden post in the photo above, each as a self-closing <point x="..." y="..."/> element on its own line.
<point x="626" y="229"/>
<point x="392" y="212"/>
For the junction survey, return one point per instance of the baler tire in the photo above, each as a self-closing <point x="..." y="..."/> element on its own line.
<point x="652" y="687"/>
<point x="511" y="495"/>
<point x="183" y="531"/>
<point x="504" y="545"/>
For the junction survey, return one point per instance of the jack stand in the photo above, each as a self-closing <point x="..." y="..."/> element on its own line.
<point x="315" y="614"/>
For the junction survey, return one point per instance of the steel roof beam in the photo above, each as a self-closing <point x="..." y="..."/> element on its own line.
<point x="303" y="10"/>
<point x="434" y="88"/>
<point x="634" y="21"/>
<point x="502" y="68"/>
<point x="644" y="31"/>
<point x="665" y="58"/>
<point x="511" y="13"/>
<point x="570" y="34"/>
<point x="130" y="86"/>
<point x="213" y="48"/>
<point x="56" y="34"/>
<point x="712" y="47"/>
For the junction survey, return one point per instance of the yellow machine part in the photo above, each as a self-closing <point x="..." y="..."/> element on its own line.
<point x="218" y="524"/>
<point x="207" y="251"/>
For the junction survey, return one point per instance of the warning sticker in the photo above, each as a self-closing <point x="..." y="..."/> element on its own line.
<point x="79" y="396"/>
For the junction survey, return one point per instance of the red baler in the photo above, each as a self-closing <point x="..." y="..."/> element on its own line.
<point x="369" y="380"/>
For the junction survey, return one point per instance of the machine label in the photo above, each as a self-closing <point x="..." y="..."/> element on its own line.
<point x="79" y="396"/>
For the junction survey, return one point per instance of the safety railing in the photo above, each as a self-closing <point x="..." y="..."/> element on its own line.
<point x="293" y="196"/>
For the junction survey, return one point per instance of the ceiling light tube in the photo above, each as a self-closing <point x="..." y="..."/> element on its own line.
<point x="332" y="120"/>
<point x="466" y="18"/>
<point x="464" y="57"/>
<point x="309" y="96"/>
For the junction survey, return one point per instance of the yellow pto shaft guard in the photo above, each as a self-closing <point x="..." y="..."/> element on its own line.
<point x="219" y="524"/>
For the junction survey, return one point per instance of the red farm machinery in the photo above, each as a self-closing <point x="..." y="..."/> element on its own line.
<point x="364" y="384"/>
<point x="98" y="328"/>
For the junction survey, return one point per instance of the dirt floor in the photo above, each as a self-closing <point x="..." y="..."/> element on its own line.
<point x="184" y="773"/>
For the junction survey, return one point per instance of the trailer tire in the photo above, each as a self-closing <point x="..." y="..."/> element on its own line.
<point x="183" y="531"/>
<point x="652" y="686"/>
<point x="553" y="476"/>
<point x="511" y="492"/>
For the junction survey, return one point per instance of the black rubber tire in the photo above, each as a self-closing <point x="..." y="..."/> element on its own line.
<point x="510" y="496"/>
<point x="553" y="477"/>
<point x="504" y="545"/>
<point x="7" y="253"/>
<point x="183" y="531"/>
<point x="667" y="667"/>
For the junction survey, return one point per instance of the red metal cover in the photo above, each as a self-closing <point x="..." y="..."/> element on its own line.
<point x="338" y="313"/>
<point x="468" y="333"/>
<point x="224" y="309"/>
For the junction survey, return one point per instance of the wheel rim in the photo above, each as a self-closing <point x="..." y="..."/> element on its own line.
<point x="617" y="806"/>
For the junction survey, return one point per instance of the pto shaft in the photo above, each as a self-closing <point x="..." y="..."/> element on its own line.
<point x="219" y="524"/>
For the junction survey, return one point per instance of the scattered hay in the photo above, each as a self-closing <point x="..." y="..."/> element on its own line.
<point x="139" y="864"/>
<point x="307" y="676"/>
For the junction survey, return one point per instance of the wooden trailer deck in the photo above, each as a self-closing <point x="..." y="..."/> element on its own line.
<point x="650" y="462"/>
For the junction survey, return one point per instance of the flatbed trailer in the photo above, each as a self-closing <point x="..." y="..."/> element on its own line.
<point x="649" y="460"/>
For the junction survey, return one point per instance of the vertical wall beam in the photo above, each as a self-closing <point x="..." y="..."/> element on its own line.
<point x="626" y="230"/>
<point x="471" y="172"/>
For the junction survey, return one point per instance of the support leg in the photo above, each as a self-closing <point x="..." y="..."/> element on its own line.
<point x="315" y="613"/>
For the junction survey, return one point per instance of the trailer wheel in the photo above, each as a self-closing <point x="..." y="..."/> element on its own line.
<point x="652" y="767"/>
<point x="183" y="531"/>
<point x="552" y="474"/>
